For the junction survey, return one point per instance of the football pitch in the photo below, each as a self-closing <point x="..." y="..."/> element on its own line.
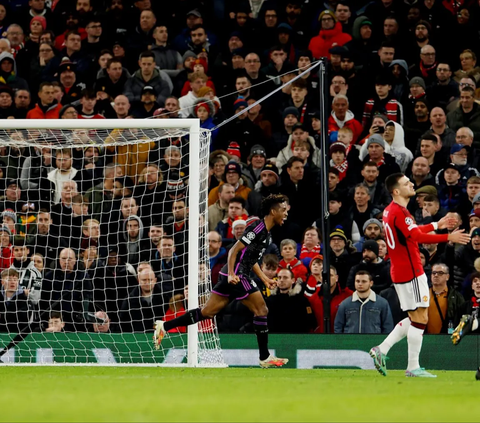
<point x="109" y="394"/>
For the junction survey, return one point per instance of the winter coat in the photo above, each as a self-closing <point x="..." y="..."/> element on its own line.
<point x="133" y="158"/>
<point x="314" y="294"/>
<point x="241" y="191"/>
<point x="14" y="313"/>
<point x="134" y="86"/>
<point x="326" y="39"/>
<point x="166" y="58"/>
<point x="403" y="156"/>
<point x="290" y="312"/>
<point x="455" y="305"/>
<point x="12" y="80"/>
<point x="373" y="315"/>
<point x="350" y="122"/>
<point x="138" y="314"/>
<point x="297" y="267"/>
<point x="70" y="293"/>
<point x="456" y="120"/>
<point x="380" y="273"/>
<point x="29" y="277"/>
<point x="41" y="112"/>
<point x="287" y="152"/>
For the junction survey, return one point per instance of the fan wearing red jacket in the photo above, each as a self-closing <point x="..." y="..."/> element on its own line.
<point x="403" y="236"/>
<point x="314" y="294"/>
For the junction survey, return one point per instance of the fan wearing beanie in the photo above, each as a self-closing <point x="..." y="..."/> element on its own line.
<point x="204" y="110"/>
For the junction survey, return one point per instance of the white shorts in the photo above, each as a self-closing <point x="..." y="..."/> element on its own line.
<point x="413" y="294"/>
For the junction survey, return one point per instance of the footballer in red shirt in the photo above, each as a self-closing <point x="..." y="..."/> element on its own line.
<point x="402" y="236"/>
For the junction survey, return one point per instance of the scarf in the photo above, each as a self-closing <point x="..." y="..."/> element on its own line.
<point x="304" y="252"/>
<point x="427" y="69"/>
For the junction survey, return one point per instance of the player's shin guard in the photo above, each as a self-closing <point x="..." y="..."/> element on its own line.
<point x="189" y="318"/>
<point x="261" y="330"/>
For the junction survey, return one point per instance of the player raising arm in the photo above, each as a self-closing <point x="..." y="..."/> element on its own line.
<point x="234" y="281"/>
<point x="403" y="236"/>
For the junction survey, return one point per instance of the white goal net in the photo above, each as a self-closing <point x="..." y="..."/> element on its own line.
<point x="102" y="232"/>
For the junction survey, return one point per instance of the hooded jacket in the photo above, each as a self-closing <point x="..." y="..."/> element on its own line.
<point x="350" y="122"/>
<point x="287" y="152"/>
<point x="326" y="38"/>
<point x="400" y="88"/>
<point x="402" y="155"/>
<point x="12" y="80"/>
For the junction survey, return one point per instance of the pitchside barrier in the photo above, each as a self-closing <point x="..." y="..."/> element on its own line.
<point x="303" y="351"/>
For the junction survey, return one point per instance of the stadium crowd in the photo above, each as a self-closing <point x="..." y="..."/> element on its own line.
<point x="94" y="238"/>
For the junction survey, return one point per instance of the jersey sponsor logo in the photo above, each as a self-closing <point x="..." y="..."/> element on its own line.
<point x="251" y="235"/>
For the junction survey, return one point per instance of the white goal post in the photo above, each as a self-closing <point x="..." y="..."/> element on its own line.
<point x="200" y="344"/>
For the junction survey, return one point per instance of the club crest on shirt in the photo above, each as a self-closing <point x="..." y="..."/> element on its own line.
<point x="424" y="299"/>
<point x="250" y="236"/>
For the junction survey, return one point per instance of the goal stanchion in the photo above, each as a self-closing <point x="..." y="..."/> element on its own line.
<point x="103" y="231"/>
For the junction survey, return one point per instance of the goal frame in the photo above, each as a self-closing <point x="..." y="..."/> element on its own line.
<point x="193" y="127"/>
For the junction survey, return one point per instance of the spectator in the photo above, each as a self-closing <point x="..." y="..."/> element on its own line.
<point x="168" y="263"/>
<point x="232" y="176"/>
<point x="236" y="210"/>
<point x="197" y="80"/>
<point x="8" y="72"/>
<point x="376" y="149"/>
<point x="310" y="246"/>
<point x="269" y="182"/>
<point x="467" y="113"/>
<point x="111" y="80"/>
<point x="217" y="254"/>
<point x="288" y="250"/>
<point x="383" y="103"/>
<point x="446" y="303"/>
<point x="29" y="278"/>
<point x="373" y="264"/>
<point x="364" y="311"/>
<point x="88" y="100"/>
<point x="289" y="310"/>
<point x="314" y="293"/>
<point x="330" y="35"/>
<point x="22" y="103"/>
<point x="145" y="303"/>
<point x="47" y="107"/>
<point x="55" y="323"/>
<point x="166" y="57"/>
<point x="342" y="255"/>
<point x="67" y="289"/>
<point x="342" y="117"/>
<point x="468" y="61"/>
<point x="147" y="105"/>
<point x="444" y="89"/>
<point x="372" y="230"/>
<point x="6" y="252"/>
<point x="121" y="106"/>
<point x="147" y="75"/>
<point x="298" y="189"/>
<point x="218" y="210"/>
<point x="14" y="309"/>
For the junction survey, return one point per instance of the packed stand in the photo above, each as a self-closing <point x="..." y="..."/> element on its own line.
<point x="94" y="239"/>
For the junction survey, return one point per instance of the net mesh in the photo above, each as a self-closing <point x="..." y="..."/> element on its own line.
<point x="94" y="244"/>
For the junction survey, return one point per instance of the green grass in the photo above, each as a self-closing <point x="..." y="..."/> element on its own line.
<point x="84" y="394"/>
